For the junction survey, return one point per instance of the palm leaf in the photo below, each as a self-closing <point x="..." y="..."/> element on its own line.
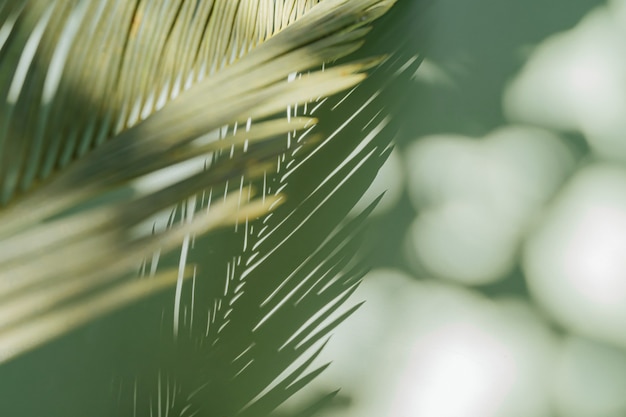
<point x="103" y="93"/>
<point x="252" y="341"/>
<point x="107" y="51"/>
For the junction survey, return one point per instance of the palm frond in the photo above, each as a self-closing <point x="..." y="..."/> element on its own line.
<point x="248" y="344"/>
<point x="99" y="93"/>
<point x="102" y="95"/>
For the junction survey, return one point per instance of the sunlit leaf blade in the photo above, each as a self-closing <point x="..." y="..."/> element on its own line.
<point x="17" y="339"/>
<point x="285" y="293"/>
<point x="124" y="158"/>
<point x="100" y="93"/>
<point x="182" y="80"/>
<point x="110" y="52"/>
<point x="126" y="58"/>
<point x="285" y="389"/>
<point x="33" y="309"/>
<point x="302" y="289"/>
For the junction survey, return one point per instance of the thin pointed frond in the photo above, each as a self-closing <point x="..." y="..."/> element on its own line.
<point x="251" y="342"/>
<point x="97" y="94"/>
<point x="79" y="72"/>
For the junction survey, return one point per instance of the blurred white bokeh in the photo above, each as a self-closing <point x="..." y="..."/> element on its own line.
<point x="521" y="194"/>
<point x="445" y="167"/>
<point x="575" y="262"/>
<point x="428" y="349"/>
<point x="575" y="81"/>
<point x="466" y="242"/>
<point x="475" y="198"/>
<point x="532" y="163"/>
<point x="590" y="380"/>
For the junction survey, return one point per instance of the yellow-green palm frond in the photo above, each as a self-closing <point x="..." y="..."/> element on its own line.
<point x="110" y="64"/>
<point x="129" y="130"/>
<point x="100" y="93"/>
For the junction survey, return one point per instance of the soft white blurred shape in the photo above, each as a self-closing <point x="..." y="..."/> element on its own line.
<point x="459" y="370"/>
<point x="389" y="180"/>
<point x="531" y="164"/>
<point x="444" y="167"/>
<point x="575" y="262"/>
<point x="575" y="81"/>
<point x="464" y="242"/>
<point x="590" y="380"/>
<point x="472" y="357"/>
<point x="476" y="196"/>
<point x="427" y="349"/>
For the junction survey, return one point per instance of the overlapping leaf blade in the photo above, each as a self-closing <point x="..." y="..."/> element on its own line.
<point x="140" y="81"/>
<point x="285" y="293"/>
<point x="242" y="349"/>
